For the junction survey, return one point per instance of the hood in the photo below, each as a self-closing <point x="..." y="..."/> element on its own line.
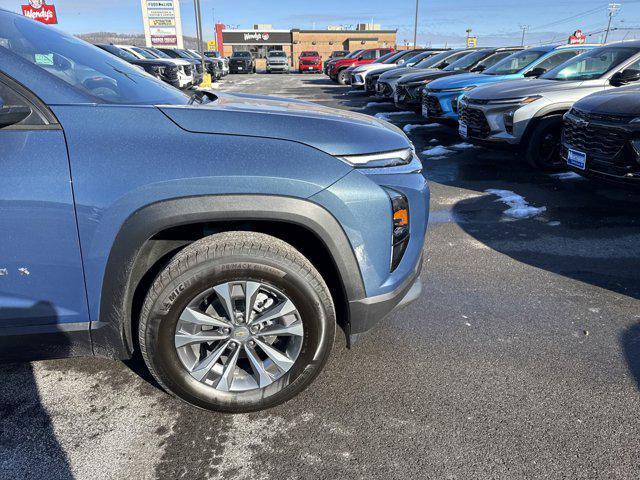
<point x="401" y="71"/>
<point x="424" y="75"/>
<point x="308" y="58"/>
<point x="521" y="88"/>
<point x="459" y="81"/>
<point x="344" y="61"/>
<point x="336" y="132"/>
<point x="374" y="67"/>
<point x="177" y="61"/>
<point x="624" y="101"/>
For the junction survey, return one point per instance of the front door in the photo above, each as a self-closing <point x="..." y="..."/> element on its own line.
<point x="41" y="280"/>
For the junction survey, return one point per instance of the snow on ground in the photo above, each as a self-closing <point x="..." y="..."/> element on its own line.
<point x="411" y="127"/>
<point x="463" y="146"/>
<point x="438" y="151"/>
<point x="518" y="206"/>
<point x="567" y="176"/>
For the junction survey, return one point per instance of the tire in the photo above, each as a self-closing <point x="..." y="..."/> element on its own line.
<point x="216" y="262"/>
<point x="343" y="77"/>
<point x="543" y="148"/>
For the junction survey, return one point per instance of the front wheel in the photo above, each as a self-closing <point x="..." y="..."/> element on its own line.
<point x="237" y="322"/>
<point x="343" y="77"/>
<point x="543" y="149"/>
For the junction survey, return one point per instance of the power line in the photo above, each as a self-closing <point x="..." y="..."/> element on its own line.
<point x="613" y="8"/>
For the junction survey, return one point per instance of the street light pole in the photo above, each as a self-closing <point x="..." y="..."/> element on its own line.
<point x="415" y="26"/>
<point x="613" y="8"/>
<point x="524" y="29"/>
<point x="196" y="7"/>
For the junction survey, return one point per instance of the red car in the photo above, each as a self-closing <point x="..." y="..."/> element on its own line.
<point x="338" y="71"/>
<point x="310" y="62"/>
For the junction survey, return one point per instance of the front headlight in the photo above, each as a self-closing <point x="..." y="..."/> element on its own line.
<point x="378" y="160"/>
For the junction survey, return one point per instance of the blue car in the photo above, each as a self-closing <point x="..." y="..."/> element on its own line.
<point x="440" y="98"/>
<point x="222" y="236"/>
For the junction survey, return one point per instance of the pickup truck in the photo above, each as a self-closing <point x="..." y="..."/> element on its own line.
<point x="338" y="69"/>
<point x="223" y="237"/>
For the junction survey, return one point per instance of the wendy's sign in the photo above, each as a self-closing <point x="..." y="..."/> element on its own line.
<point x="40" y="11"/>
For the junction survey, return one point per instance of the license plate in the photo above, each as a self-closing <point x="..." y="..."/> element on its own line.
<point x="425" y="111"/>
<point x="396" y="97"/>
<point x="577" y="159"/>
<point x="239" y="68"/>
<point x="462" y="130"/>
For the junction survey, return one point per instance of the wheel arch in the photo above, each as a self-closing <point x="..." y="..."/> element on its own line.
<point x="145" y="240"/>
<point x="541" y="114"/>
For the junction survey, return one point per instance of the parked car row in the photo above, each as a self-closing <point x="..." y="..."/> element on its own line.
<point x="181" y="68"/>
<point x="560" y="105"/>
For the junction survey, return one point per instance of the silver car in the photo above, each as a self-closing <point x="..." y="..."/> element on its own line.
<point x="528" y="113"/>
<point x="277" y="61"/>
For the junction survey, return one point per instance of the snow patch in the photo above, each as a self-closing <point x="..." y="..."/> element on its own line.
<point x="463" y="146"/>
<point x="438" y="151"/>
<point x="411" y="127"/>
<point x="518" y="206"/>
<point x="567" y="176"/>
<point x="386" y="115"/>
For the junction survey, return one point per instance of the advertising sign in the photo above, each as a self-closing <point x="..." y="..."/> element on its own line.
<point x="578" y="38"/>
<point x="253" y="37"/>
<point x="472" y="42"/>
<point x="220" y="37"/>
<point x="40" y="11"/>
<point x="162" y="23"/>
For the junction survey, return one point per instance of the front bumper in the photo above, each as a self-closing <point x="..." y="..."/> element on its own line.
<point x="278" y="67"/>
<point x="384" y="90"/>
<point x="357" y="80"/>
<point x="408" y="97"/>
<point x="441" y="107"/>
<point x="310" y="68"/>
<point x="366" y="313"/>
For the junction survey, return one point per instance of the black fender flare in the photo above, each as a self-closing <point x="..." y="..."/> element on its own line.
<point x="540" y="114"/>
<point x="111" y="335"/>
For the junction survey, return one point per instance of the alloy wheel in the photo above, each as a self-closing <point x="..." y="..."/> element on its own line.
<point x="239" y="336"/>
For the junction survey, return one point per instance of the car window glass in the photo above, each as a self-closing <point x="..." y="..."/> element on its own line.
<point x="455" y="57"/>
<point x="466" y="61"/>
<point x="555" y="59"/>
<point x="590" y="65"/>
<point x="493" y="59"/>
<point x="369" y="55"/>
<point x="84" y="67"/>
<point x="430" y="60"/>
<point x="142" y="52"/>
<point x="119" y="52"/>
<point x="515" y="63"/>
<point x="10" y="98"/>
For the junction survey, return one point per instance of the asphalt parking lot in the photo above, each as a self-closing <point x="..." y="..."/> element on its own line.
<point x="521" y="359"/>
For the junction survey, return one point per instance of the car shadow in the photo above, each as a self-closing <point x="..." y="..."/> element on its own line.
<point x="29" y="447"/>
<point x="630" y="342"/>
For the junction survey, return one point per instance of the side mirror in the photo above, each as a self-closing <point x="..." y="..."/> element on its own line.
<point x="12" y="115"/>
<point x="443" y="65"/>
<point x="624" y="77"/>
<point x="401" y="62"/>
<point x="536" y="72"/>
<point x="478" y="69"/>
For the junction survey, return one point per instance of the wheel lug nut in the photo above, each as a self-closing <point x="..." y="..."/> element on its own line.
<point x="252" y="343"/>
<point x="226" y="330"/>
<point x="255" y="329"/>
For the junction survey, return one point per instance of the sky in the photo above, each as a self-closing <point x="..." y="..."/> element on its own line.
<point x="495" y="22"/>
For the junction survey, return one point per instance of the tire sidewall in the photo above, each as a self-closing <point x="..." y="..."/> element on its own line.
<point x="534" y="146"/>
<point x="319" y="331"/>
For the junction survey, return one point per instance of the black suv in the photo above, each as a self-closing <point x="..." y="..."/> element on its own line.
<point x="601" y="135"/>
<point x="163" y="69"/>
<point x="242" y="62"/>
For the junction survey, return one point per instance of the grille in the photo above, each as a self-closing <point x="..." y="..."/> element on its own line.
<point x="402" y="92"/>
<point x="370" y="82"/>
<point x="601" y="117"/>
<point x="187" y="69"/>
<point x="476" y="122"/>
<point x="434" y="109"/>
<point x="593" y="139"/>
<point x="199" y="68"/>
<point x="307" y="62"/>
<point x="171" y="74"/>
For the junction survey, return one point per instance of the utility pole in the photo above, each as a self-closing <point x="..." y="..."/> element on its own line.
<point x="415" y="25"/>
<point x="524" y="28"/>
<point x="612" y="8"/>
<point x="196" y="7"/>
<point x="468" y="30"/>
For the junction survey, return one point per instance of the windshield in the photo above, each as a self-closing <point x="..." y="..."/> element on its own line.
<point x="385" y="57"/>
<point x="86" y="68"/>
<point x="277" y="53"/>
<point x="212" y="54"/>
<point x="591" y="65"/>
<point x="241" y="54"/>
<point x="467" y="61"/>
<point x="437" y="60"/>
<point x="309" y="54"/>
<point x="339" y="54"/>
<point x="144" y="53"/>
<point x="157" y="53"/>
<point x="354" y="54"/>
<point x="118" y="52"/>
<point x="515" y="63"/>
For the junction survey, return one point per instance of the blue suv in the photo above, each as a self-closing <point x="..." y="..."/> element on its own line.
<point x="222" y="236"/>
<point x="440" y="98"/>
